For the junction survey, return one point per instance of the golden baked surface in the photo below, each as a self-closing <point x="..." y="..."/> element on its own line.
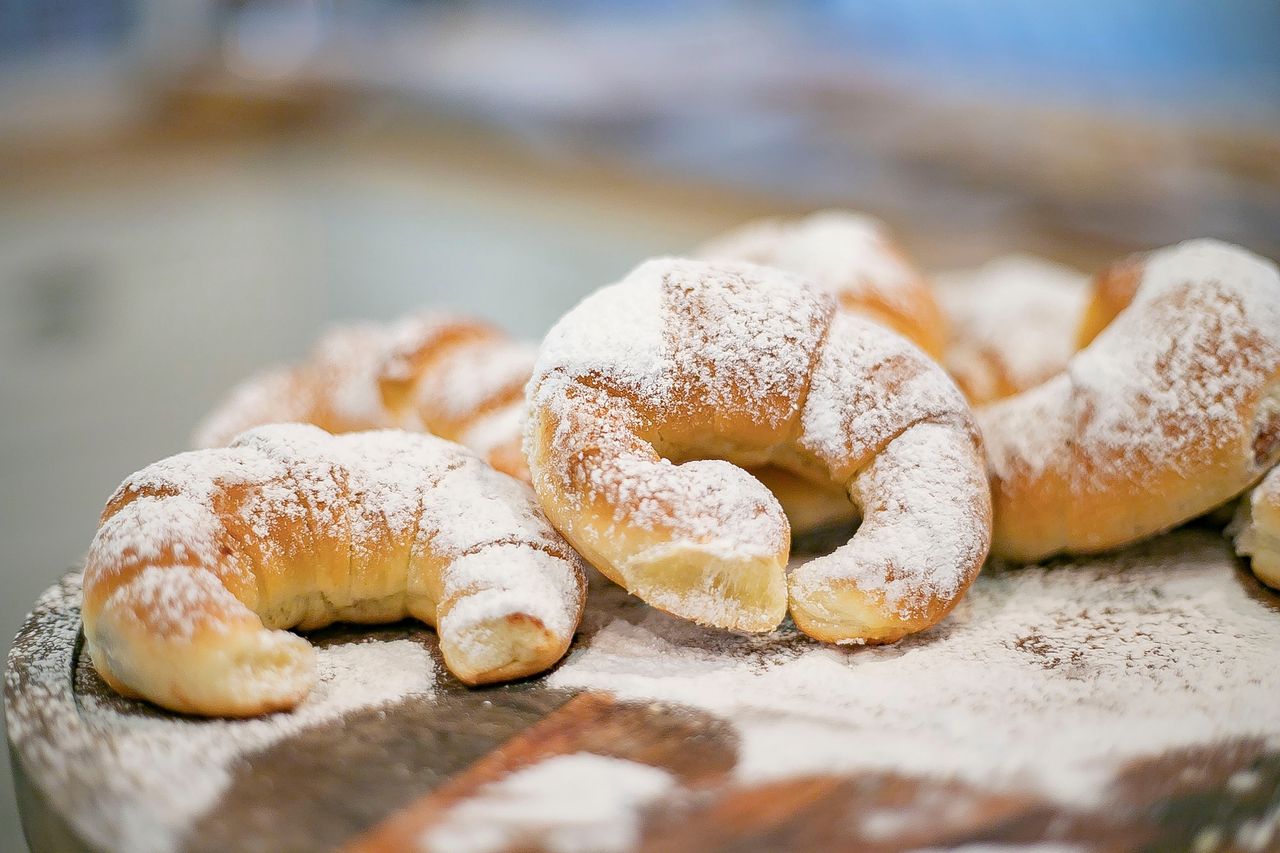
<point x="1170" y="411"/>
<point x="204" y="558"/>
<point x="650" y="394"/>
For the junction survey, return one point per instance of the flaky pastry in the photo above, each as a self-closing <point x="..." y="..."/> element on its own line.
<point x="202" y="560"/>
<point x="456" y="378"/>
<point x="1172" y="409"/>
<point x="649" y="395"/>
<point x="851" y="255"/>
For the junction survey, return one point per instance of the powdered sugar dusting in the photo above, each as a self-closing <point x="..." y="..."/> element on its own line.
<point x="472" y="377"/>
<point x="1023" y="433"/>
<point x="742" y="340"/>
<point x="925" y="529"/>
<point x="869" y="386"/>
<point x="1175" y="368"/>
<point x="174" y="598"/>
<point x="1166" y="383"/>
<point x="508" y="579"/>
<point x="845" y="253"/>
<point x="289" y="489"/>
<point x="616" y="332"/>
<point x="722" y="337"/>
<point x="698" y="344"/>
<point x="576" y="803"/>
<point x="1013" y="323"/>
<point x="161" y="773"/>
<point x="1048" y="678"/>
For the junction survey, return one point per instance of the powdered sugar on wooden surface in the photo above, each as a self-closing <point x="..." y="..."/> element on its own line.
<point x="575" y="803"/>
<point x="161" y="773"/>
<point x="1048" y="678"/>
<point x="1015" y="317"/>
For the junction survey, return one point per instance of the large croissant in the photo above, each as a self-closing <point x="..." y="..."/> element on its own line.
<point x="1171" y="408"/>
<point x="457" y="378"/>
<point x="649" y="395"/>
<point x="203" y="558"/>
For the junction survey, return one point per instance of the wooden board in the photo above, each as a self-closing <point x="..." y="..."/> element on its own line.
<point x="375" y="778"/>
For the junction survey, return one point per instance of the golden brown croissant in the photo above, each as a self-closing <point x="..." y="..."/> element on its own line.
<point x="456" y="378"/>
<point x="851" y="255"/>
<point x="201" y="560"/>
<point x="1171" y="410"/>
<point x="649" y="395"/>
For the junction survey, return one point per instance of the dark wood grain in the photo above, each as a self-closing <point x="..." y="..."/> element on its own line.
<point x="698" y="749"/>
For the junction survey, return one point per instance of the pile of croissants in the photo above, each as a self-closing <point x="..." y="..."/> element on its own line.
<point x="674" y="430"/>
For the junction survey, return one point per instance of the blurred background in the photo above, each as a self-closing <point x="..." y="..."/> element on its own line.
<point x="191" y="189"/>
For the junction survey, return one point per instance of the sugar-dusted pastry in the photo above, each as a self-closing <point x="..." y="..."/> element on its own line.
<point x="649" y="395"/>
<point x="1170" y="411"/>
<point x="456" y="378"/>
<point x="462" y="380"/>
<point x="202" y="560"/>
<point x="1013" y="324"/>
<point x="1256" y="529"/>
<point x="853" y="256"/>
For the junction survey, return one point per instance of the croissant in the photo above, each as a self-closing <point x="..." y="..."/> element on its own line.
<point x="853" y="256"/>
<point x="1256" y="529"/>
<point x="650" y="393"/>
<point x="1013" y="324"/>
<point x="460" y="379"/>
<point x="1172" y="408"/>
<point x="203" y="559"/>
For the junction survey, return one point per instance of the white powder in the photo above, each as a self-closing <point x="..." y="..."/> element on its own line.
<point x="925" y="529"/>
<point x="1047" y="678"/>
<point x="1168" y="383"/>
<point x="294" y="491"/>
<point x="747" y="346"/>
<point x="869" y="385"/>
<point x="1012" y="320"/>
<point x="142" y="780"/>
<point x="845" y="253"/>
<point x="471" y="377"/>
<point x="577" y="803"/>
